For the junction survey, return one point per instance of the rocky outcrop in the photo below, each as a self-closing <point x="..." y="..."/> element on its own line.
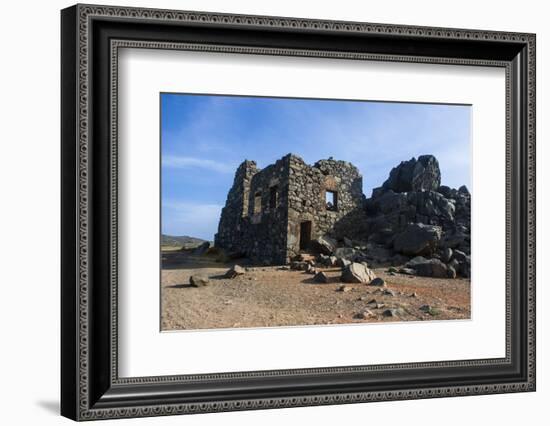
<point x="414" y="175"/>
<point x="412" y="214"/>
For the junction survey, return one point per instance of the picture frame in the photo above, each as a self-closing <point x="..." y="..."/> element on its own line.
<point x="90" y="384"/>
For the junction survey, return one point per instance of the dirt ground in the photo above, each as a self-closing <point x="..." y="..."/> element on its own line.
<point x="271" y="297"/>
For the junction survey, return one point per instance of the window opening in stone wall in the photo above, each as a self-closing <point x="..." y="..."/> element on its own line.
<point x="331" y="199"/>
<point x="258" y="203"/>
<point x="273" y="197"/>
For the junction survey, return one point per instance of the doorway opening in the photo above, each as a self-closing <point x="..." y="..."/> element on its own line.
<point x="305" y="235"/>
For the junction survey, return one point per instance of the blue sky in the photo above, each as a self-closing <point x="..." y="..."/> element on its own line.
<point x="204" y="138"/>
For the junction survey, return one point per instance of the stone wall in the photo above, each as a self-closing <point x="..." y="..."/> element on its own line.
<point x="233" y="223"/>
<point x="253" y="221"/>
<point x="265" y="209"/>
<point x="265" y="239"/>
<point x="307" y="199"/>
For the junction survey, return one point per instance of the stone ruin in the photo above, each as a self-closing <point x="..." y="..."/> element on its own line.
<point x="289" y="208"/>
<point x="273" y="214"/>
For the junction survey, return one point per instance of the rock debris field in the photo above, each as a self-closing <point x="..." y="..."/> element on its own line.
<point x="275" y="296"/>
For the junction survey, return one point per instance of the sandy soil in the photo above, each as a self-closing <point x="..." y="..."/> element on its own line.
<point x="270" y="297"/>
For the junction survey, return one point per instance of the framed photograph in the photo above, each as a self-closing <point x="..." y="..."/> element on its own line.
<point x="263" y="212"/>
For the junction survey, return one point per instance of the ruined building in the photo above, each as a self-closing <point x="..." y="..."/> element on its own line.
<point x="275" y="213"/>
<point x="272" y="214"/>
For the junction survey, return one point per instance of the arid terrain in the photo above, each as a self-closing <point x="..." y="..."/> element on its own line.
<point x="271" y="296"/>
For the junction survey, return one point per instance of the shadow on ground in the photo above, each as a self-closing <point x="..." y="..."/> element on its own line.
<point x="171" y="260"/>
<point x="180" y="286"/>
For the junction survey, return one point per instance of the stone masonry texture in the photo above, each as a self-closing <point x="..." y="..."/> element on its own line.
<point x="272" y="213"/>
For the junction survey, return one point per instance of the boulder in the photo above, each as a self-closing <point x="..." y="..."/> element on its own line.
<point x="454" y="264"/>
<point x="391" y="201"/>
<point x="348" y="242"/>
<point x="453" y="240"/>
<point x="415" y="175"/>
<point x="324" y="245"/>
<point x="299" y="266"/>
<point x="382" y="236"/>
<point x="465" y="268"/>
<point x="428" y="267"/>
<point x="321" y="277"/>
<point x="346" y="253"/>
<point x="417" y="239"/>
<point x="378" y="253"/>
<point x="460" y="256"/>
<point x="463" y="190"/>
<point x="299" y="258"/>
<point x="342" y="263"/>
<point x="432" y="205"/>
<point x="379" y="282"/>
<point x="464" y="263"/>
<point x="365" y="314"/>
<point x="451" y="272"/>
<point x="235" y="271"/>
<point x="446" y="254"/>
<point x="201" y="249"/>
<point x="445" y="191"/>
<point x="461" y="263"/>
<point x="357" y="273"/>
<point x="425" y="308"/>
<point x="428" y="309"/>
<point x="198" y="280"/>
<point x="398" y="260"/>
<point x="379" y="222"/>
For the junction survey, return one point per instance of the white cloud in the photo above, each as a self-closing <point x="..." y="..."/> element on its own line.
<point x="180" y="162"/>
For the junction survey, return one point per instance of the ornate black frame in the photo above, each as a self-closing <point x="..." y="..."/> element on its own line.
<point x="91" y="37"/>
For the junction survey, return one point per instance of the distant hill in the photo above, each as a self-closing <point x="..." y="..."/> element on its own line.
<point x="180" y="241"/>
